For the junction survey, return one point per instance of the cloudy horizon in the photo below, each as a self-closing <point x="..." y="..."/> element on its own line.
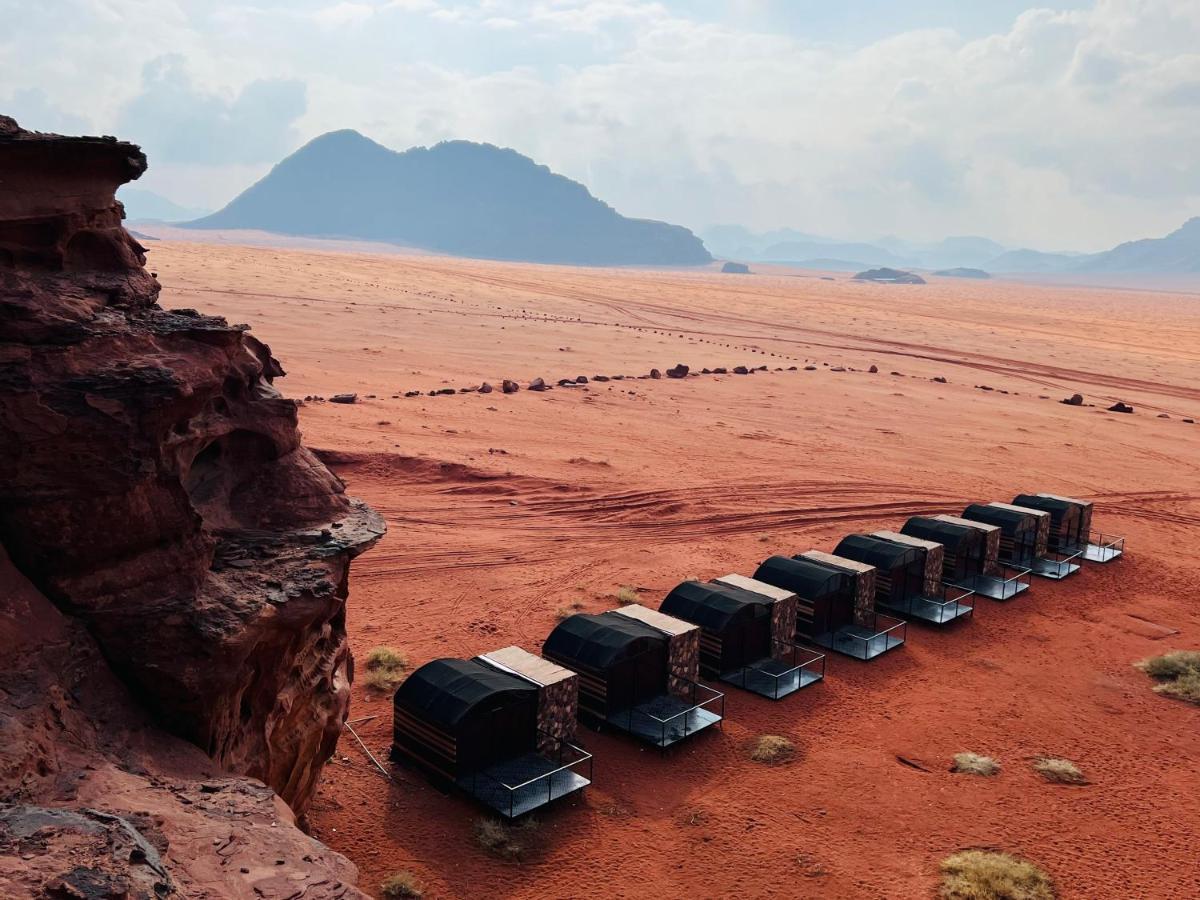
<point x="1061" y="126"/>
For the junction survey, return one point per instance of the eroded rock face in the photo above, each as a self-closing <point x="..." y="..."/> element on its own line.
<point x="96" y="801"/>
<point x="152" y="480"/>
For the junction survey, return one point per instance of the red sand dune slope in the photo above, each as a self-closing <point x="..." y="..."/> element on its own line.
<point x="503" y="509"/>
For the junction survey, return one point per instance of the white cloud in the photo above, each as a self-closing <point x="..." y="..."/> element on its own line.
<point x="1067" y="128"/>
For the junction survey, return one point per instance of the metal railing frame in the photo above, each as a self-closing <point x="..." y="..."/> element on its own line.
<point x="793" y="649"/>
<point x="663" y="723"/>
<point x="512" y="789"/>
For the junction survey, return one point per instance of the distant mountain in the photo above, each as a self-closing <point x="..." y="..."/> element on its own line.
<point x="147" y="206"/>
<point x="960" y="253"/>
<point x="455" y="197"/>
<point x="736" y="241"/>
<point x="796" y="247"/>
<point x="1033" y="262"/>
<point x="1177" y="253"/>
<point x="797" y="251"/>
<point x="962" y="272"/>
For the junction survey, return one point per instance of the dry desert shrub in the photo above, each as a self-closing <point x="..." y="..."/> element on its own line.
<point x="974" y="764"/>
<point x="565" y="612"/>
<point x="510" y="842"/>
<point x="1059" y="771"/>
<point x="401" y="886"/>
<point x="771" y="749"/>
<point x="384" y="668"/>
<point x="1177" y="674"/>
<point x="990" y="875"/>
<point x="627" y="594"/>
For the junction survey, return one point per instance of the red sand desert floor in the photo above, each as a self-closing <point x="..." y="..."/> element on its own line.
<point x="503" y="509"/>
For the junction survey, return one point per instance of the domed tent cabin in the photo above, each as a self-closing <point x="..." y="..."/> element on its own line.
<point x="836" y="606"/>
<point x="919" y="590"/>
<point x="737" y="644"/>
<point x="638" y="672"/>
<point x="970" y="551"/>
<point x="473" y="724"/>
<point x="1040" y="559"/>
<point x="1096" y="545"/>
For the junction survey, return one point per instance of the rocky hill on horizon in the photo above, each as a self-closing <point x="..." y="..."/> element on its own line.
<point x="456" y="197"/>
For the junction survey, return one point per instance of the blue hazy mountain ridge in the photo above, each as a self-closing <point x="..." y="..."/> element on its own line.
<point x="1177" y="253"/>
<point x="456" y="197"/>
<point x="147" y="206"/>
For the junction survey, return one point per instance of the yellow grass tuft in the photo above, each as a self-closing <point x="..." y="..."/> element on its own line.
<point x="974" y="764"/>
<point x="384" y="668"/>
<point x="511" y="842"/>
<point x="401" y="886"/>
<point x="771" y="749"/>
<point x="990" y="875"/>
<point x="570" y="609"/>
<point x="1177" y="674"/>
<point x="1059" y="771"/>
<point x="628" y="594"/>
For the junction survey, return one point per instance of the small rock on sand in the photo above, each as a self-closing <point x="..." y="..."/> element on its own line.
<point x="1074" y="400"/>
<point x="344" y="398"/>
<point x="509" y="387"/>
<point x="1120" y="407"/>
<point x="538" y="384"/>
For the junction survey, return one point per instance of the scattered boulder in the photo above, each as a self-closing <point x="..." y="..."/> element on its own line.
<point x="1120" y="407"/>
<point x="735" y="268"/>
<point x="1073" y="400"/>
<point x="566" y="382"/>
<point x="538" y="384"/>
<point x="1163" y="416"/>
<point x="720" y="370"/>
<point x="344" y="398"/>
<point x="810" y="368"/>
<point x="654" y="373"/>
<point x="412" y="393"/>
<point x="740" y="370"/>
<point x="1189" y="421"/>
<point x="600" y="378"/>
<point x="509" y="387"/>
<point x="873" y="370"/>
<point x="680" y="371"/>
<point x="940" y="380"/>
<point x="486" y="388"/>
<point x="581" y="379"/>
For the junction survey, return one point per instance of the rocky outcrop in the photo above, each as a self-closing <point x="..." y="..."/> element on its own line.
<point x="96" y="801"/>
<point x="152" y="481"/>
<point x="889" y="276"/>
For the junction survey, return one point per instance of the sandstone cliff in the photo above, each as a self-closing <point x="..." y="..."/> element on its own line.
<point x="154" y="488"/>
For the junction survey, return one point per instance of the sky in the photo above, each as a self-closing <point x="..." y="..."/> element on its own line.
<point x="1061" y="126"/>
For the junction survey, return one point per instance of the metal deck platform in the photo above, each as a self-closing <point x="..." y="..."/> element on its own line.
<point x="1054" y="565"/>
<point x="666" y="719"/>
<point x="996" y="587"/>
<point x="775" y="679"/>
<point x="863" y="643"/>
<point x="518" y="786"/>
<point x="1102" y="548"/>
<point x="934" y="610"/>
